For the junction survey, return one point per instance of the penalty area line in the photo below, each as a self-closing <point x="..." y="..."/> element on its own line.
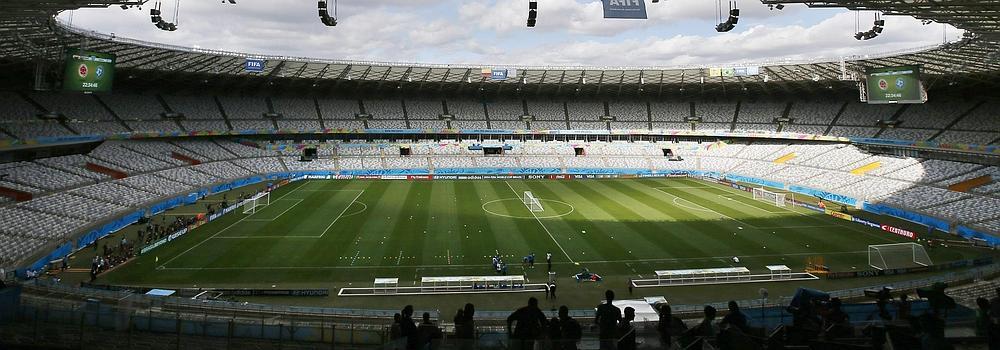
<point x="164" y="265"/>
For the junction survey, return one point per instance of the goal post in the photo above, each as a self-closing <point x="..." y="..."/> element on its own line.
<point x="258" y="200"/>
<point x="529" y="200"/>
<point x="760" y="194"/>
<point x="897" y="255"/>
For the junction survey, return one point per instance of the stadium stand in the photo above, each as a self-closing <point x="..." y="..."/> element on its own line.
<point x="73" y="106"/>
<point x="466" y="110"/>
<point x="760" y="112"/>
<point x="634" y="111"/>
<point x="40" y="176"/>
<point x="715" y="112"/>
<point x="385" y="109"/>
<point x="547" y="110"/>
<point x="16" y="108"/>
<point x="193" y="107"/>
<point x="295" y="108"/>
<point x="423" y="109"/>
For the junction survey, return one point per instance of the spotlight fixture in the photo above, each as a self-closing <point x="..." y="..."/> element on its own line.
<point x="155" y="15"/>
<point x="532" y="13"/>
<point x="773" y="7"/>
<point x="877" y="28"/>
<point x="324" y="13"/>
<point x="731" y="21"/>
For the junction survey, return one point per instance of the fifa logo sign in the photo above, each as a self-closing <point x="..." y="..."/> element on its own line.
<point x="254" y="65"/>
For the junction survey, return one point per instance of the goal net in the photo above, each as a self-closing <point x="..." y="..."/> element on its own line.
<point x="258" y="200"/>
<point x="763" y="195"/>
<point x="898" y="255"/>
<point x="531" y="202"/>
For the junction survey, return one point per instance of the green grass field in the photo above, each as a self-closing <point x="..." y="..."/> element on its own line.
<point x="345" y="233"/>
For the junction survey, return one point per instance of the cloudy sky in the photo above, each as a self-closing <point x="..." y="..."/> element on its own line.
<point x="569" y="32"/>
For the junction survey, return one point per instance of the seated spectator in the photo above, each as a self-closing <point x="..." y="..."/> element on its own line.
<point x="705" y="329"/>
<point x="669" y="326"/>
<point x="735" y="317"/>
<point x="429" y="335"/>
<point x="836" y="321"/>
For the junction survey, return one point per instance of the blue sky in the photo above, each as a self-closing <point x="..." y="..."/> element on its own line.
<point x="569" y="32"/>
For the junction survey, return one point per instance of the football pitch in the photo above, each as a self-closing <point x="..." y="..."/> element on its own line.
<point x="338" y="233"/>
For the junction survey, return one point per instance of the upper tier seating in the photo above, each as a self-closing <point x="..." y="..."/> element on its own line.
<point x="547" y="110"/>
<point x="243" y="107"/>
<point x="628" y="111"/>
<point x="585" y="111"/>
<point x="385" y="109"/>
<point x="466" y="110"/>
<point x="760" y="112"/>
<point x="505" y="110"/>
<point x="423" y="109"/>
<point x="16" y="108"/>
<point x="73" y="106"/>
<point x="715" y="112"/>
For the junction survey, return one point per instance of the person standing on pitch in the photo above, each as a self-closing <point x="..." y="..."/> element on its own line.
<point x="548" y="260"/>
<point x="552" y="290"/>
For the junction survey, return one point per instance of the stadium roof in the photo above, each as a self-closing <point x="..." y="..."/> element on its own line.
<point x="29" y="32"/>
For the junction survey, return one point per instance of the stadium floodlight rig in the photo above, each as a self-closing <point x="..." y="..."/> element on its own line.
<point x="730" y="23"/>
<point x="324" y="13"/>
<point x="532" y="13"/>
<point x="157" y="18"/>
<point x="874" y="32"/>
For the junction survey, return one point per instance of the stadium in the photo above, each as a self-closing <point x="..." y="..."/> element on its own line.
<point x="157" y="195"/>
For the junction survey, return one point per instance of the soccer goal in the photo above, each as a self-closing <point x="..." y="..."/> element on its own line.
<point x="531" y="202"/>
<point x="897" y="255"/>
<point x="258" y="200"/>
<point x="763" y="195"/>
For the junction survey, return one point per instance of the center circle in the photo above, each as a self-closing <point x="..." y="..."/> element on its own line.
<point x="566" y="209"/>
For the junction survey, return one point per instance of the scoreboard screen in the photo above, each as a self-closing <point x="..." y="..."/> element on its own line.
<point x="89" y="71"/>
<point x="894" y="85"/>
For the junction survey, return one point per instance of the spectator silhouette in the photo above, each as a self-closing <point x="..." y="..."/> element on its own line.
<point x="983" y="320"/>
<point x="395" y="332"/>
<point x="735" y="317"/>
<point x="626" y="340"/>
<point x="407" y="329"/>
<point x="465" y="327"/>
<point x="836" y="321"/>
<point x="571" y="330"/>
<point x="704" y="329"/>
<point x="608" y="316"/>
<point x="428" y="334"/>
<point x="903" y="310"/>
<point x="528" y="321"/>
<point x="668" y="326"/>
<point x="555" y="334"/>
